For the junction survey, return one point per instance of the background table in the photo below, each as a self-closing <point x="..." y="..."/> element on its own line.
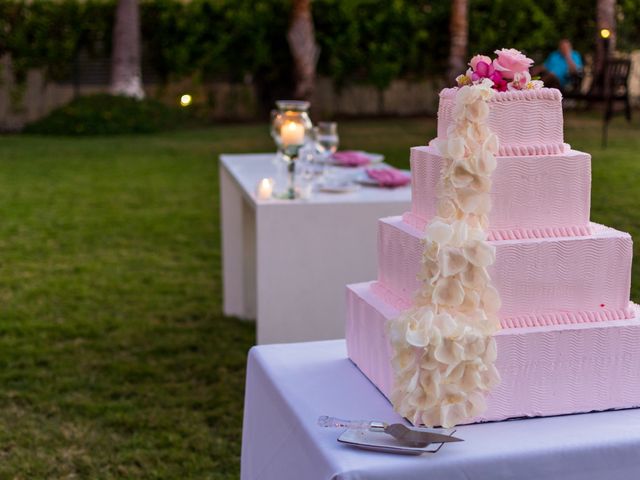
<point x="289" y="386"/>
<point x="286" y="263"/>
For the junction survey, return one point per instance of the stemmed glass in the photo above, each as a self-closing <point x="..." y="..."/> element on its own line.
<point x="327" y="141"/>
<point x="327" y="137"/>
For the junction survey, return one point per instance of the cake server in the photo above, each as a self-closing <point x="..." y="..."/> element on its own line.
<point x="410" y="435"/>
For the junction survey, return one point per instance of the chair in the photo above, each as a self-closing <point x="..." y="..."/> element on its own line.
<point x="610" y="86"/>
<point x="615" y="89"/>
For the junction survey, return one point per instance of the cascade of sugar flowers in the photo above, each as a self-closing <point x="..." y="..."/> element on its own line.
<point x="444" y="352"/>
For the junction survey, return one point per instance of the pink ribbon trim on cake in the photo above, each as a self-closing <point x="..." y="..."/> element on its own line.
<point x="510" y="95"/>
<point x="419" y="223"/>
<point x="526" y="321"/>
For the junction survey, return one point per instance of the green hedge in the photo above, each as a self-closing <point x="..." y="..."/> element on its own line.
<point x="370" y="41"/>
<point x="104" y="114"/>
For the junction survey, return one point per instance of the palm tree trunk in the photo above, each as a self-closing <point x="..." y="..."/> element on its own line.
<point x="459" y="33"/>
<point x="126" y="72"/>
<point x="605" y="18"/>
<point x="302" y="42"/>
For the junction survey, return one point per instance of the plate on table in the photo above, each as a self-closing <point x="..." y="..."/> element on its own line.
<point x="382" y="442"/>
<point x="340" y="186"/>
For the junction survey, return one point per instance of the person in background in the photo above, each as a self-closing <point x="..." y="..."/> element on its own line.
<point x="560" y="66"/>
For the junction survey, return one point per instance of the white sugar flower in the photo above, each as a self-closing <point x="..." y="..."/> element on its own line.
<point x="455" y="147"/>
<point x="439" y="232"/>
<point x="471" y="301"/>
<point x="445" y="324"/>
<point x="460" y="233"/>
<point x="448" y="291"/>
<point x="490" y="351"/>
<point x="460" y="175"/>
<point x="477" y="111"/>
<point x="491" y="300"/>
<point x="418" y="327"/>
<point x="446" y="209"/>
<point x="449" y="352"/>
<point x="481" y="254"/>
<point x="486" y="162"/>
<point x="491" y="143"/>
<point x="468" y="199"/>
<point x="452" y="261"/>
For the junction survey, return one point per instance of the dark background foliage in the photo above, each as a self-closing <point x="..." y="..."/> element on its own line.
<point x="365" y="41"/>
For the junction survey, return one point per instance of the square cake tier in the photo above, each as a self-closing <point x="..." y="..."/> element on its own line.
<point x="526" y="122"/>
<point x="531" y="196"/>
<point x="550" y="370"/>
<point x="541" y="281"/>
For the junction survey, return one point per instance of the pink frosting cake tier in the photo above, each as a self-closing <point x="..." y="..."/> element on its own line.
<point x="533" y="196"/>
<point x="551" y="370"/>
<point x="542" y="281"/>
<point x="526" y="122"/>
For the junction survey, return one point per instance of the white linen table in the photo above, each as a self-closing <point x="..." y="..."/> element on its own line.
<point x="286" y="262"/>
<point x="289" y="386"/>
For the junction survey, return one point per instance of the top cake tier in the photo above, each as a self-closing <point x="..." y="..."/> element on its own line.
<point x="526" y="122"/>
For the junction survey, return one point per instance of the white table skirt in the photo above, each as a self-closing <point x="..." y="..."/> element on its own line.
<point x="289" y="386"/>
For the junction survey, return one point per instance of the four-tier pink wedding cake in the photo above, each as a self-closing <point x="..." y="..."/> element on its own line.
<point x="496" y="296"/>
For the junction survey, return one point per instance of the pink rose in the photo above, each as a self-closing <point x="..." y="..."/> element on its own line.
<point x="511" y="61"/>
<point x="479" y="58"/>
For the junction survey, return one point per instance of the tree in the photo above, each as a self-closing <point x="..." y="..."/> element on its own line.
<point x="459" y="37"/>
<point x="304" y="50"/>
<point x="605" y="18"/>
<point x="126" y="71"/>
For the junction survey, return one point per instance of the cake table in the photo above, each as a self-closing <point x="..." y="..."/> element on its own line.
<point x="289" y="386"/>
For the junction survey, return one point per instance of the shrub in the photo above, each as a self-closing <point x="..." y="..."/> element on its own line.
<point x="109" y="115"/>
<point x="365" y="41"/>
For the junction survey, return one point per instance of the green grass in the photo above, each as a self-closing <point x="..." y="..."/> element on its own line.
<point x="115" y="359"/>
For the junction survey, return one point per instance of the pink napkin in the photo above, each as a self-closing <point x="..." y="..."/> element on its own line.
<point x="389" y="177"/>
<point x="351" y="158"/>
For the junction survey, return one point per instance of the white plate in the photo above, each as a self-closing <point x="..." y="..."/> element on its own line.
<point x="339" y="187"/>
<point x="382" y="442"/>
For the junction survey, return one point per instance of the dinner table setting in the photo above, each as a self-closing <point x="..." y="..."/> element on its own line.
<point x="309" y="161"/>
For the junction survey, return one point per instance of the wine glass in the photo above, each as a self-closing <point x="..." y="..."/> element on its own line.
<point x="327" y="141"/>
<point x="327" y="137"/>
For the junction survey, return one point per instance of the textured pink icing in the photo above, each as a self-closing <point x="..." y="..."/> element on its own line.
<point x="550" y="370"/>
<point x="541" y="281"/>
<point x="527" y="122"/>
<point x="532" y="197"/>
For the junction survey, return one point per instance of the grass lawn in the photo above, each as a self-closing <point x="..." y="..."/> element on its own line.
<point x="115" y="359"/>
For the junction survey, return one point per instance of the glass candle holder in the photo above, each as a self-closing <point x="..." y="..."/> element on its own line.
<point x="291" y="129"/>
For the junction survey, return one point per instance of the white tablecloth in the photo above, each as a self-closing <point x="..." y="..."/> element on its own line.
<point x="289" y="386"/>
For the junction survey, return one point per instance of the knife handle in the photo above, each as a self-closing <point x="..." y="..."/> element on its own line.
<point x="333" y="422"/>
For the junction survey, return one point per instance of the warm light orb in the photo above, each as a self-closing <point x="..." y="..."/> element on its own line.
<point x="185" y="100"/>
<point x="605" y="33"/>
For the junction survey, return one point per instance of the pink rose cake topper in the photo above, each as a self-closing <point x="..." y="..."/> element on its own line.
<point x="508" y="71"/>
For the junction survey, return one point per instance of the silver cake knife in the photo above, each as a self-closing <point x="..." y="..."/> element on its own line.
<point x="413" y="436"/>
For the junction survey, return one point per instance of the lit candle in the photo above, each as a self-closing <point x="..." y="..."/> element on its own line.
<point x="265" y="189"/>
<point x="292" y="133"/>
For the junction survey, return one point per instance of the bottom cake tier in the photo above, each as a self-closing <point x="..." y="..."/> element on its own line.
<point x="550" y="370"/>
